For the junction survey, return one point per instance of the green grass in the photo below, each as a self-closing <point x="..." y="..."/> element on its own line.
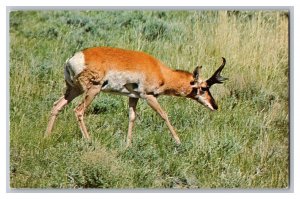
<point x="243" y="145"/>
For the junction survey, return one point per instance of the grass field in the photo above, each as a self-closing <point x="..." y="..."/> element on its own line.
<point x="245" y="144"/>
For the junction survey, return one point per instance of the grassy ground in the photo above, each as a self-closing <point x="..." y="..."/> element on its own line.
<point x="243" y="145"/>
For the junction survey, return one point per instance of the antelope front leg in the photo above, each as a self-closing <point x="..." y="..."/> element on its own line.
<point x="132" y="117"/>
<point x="153" y="103"/>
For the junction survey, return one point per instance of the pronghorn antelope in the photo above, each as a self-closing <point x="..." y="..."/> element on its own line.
<point x="133" y="74"/>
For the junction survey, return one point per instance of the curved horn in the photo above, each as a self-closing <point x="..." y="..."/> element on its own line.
<point x="216" y="78"/>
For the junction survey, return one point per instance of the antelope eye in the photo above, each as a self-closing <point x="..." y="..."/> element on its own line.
<point x="204" y="88"/>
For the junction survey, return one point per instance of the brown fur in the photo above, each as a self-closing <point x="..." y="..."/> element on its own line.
<point x="163" y="79"/>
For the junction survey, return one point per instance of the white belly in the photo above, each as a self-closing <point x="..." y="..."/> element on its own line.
<point x="124" y="83"/>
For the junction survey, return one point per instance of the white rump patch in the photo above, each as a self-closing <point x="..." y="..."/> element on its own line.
<point x="77" y="63"/>
<point x="74" y="66"/>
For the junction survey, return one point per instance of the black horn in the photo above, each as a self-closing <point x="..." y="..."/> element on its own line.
<point x="216" y="78"/>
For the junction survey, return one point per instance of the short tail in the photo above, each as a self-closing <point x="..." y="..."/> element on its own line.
<point x="69" y="73"/>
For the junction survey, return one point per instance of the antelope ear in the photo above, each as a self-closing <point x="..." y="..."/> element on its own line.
<point x="197" y="72"/>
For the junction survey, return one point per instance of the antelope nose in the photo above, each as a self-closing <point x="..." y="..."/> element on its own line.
<point x="215" y="107"/>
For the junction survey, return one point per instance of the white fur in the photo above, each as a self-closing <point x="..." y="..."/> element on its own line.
<point x="204" y="101"/>
<point x="119" y="82"/>
<point x="77" y="63"/>
<point x="74" y="66"/>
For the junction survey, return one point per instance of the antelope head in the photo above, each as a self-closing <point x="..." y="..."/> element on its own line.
<point x="201" y="88"/>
